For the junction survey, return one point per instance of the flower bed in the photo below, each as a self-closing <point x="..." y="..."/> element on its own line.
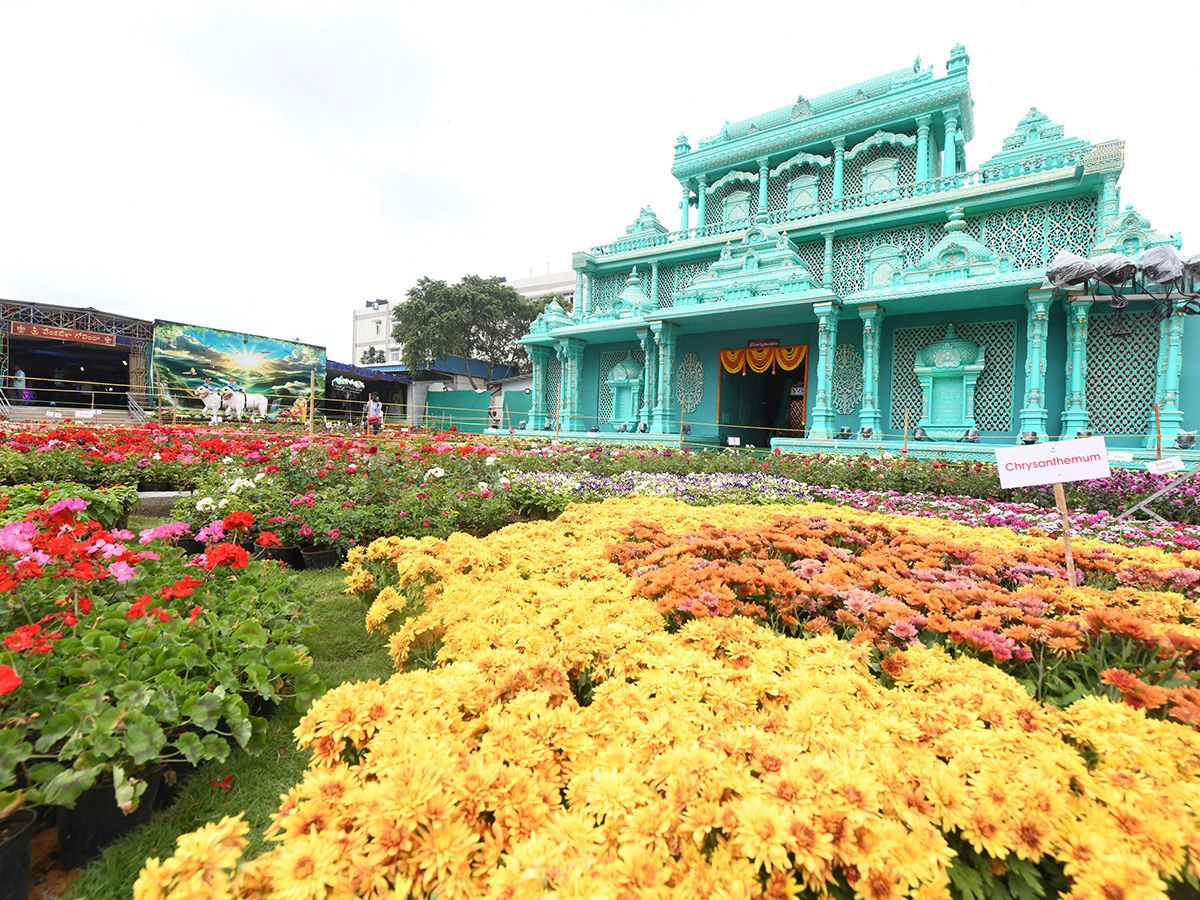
<point x="122" y="652"/>
<point x="183" y="456"/>
<point x="584" y="735"/>
<point x="554" y="491"/>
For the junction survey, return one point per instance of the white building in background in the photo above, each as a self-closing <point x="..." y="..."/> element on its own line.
<point x="560" y="283"/>
<point x="373" y="329"/>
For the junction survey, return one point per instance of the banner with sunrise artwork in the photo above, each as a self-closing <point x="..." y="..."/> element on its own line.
<point x="185" y="356"/>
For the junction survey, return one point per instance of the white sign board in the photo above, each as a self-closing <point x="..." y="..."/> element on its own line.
<point x="1077" y="460"/>
<point x="734" y="441"/>
<point x="1165" y="465"/>
<point x="83" y="413"/>
<point x="1119" y="456"/>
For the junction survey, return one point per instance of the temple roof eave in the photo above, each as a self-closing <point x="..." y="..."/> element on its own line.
<point x="907" y="101"/>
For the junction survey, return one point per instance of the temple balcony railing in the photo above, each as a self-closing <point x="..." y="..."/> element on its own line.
<point x="837" y="205"/>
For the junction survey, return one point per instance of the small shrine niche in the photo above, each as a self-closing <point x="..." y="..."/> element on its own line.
<point x="625" y="383"/>
<point x="948" y="370"/>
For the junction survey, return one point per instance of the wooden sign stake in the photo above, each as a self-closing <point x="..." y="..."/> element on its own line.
<point x="1060" y="500"/>
<point x="312" y="402"/>
<point x="1157" y="434"/>
<point x="904" y="449"/>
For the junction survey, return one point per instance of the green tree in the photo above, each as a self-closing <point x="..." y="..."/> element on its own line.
<point x="479" y="318"/>
<point x="371" y="356"/>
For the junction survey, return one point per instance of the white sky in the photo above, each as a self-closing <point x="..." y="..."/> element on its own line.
<point x="269" y="166"/>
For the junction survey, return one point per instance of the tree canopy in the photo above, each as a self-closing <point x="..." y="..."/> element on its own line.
<point x="479" y="318"/>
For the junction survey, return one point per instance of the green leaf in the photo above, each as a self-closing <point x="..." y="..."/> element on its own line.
<point x="257" y="741"/>
<point x="188" y="744"/>
<point x="308" y="686"/>
<point x="144" y="740"/>
<point x="204" y="711"/>
<point x="65" y="787"/>
<point x="14" y="750"/>
<point x="213" y="746"/>
<point x="57" y="728"/>
<point x="969" y="881"/>
<point x="251" y="633"/>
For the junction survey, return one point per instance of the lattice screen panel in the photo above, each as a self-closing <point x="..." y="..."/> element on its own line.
<point x="608" y="360"/>
<point x="813" y="256"/>
<point x="1120" y="374"/>
<point x="714" y="205"/>
<point x="1033" y="235"/>
<point x="604" y="290"/>
<point x="849" y="253"/>
<point x="852" y="176"/>
<point x="993" y="391"/>
<point x="677" y="278"/>
<point x="777" y="188"/>
<point x="553" y="377"/>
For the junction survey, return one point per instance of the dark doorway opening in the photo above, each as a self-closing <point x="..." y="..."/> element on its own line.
<point x="69" y="374"/>
<point x="757" y="406"/>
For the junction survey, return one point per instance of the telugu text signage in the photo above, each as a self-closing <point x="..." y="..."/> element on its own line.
<point x="50" y="332"/>
<point x="759" y="343"/>
<point x="1076" y="460"/>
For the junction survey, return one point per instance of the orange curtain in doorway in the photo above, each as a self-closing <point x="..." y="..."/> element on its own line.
<point x="759" y="359"/>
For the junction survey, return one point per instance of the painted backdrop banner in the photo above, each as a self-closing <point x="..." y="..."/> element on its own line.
<point x="186" y="355"/>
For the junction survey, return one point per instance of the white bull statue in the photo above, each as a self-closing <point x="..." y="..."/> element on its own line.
<point x="212" y="403"/>
<point x="238" y="401"/>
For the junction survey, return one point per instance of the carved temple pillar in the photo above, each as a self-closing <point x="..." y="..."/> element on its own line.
<point x="666" y="417"/>
<point x="654" y="281"/>
<point x="827" y="265"/>
<point x="1107" y="211"/>
<point x="839" y="166"/>
<point x="923" y="123"/>
<point x="824" y="415"/>
<point x="1034" y="414"/>
<point x="570" y="354"/>
<point x="948" y="151"/>
<point x="1166" y="380"/>
<point x="701" y="194"/>
<point x="646" y="339"/>
<point x="764" y="172"/>
<point x="869" y="415"/>
<point x="685" y="206"/>
<point x="1075" y="414"/>
<point x="540" y="357"/>
<point x="580" y="309"/>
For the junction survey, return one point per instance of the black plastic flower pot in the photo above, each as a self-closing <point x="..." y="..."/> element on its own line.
<point x="15" y="834"/>
<point x="95" y="821"/>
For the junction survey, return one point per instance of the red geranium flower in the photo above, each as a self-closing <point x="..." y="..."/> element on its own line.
<point x="9" y="679"/>
<point x="237" y="520"/>
<point x="226" y="553"/>
<point x="268" y="539"/>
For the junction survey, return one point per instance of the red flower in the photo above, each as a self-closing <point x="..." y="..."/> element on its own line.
<point x="226" y="553"/>
<point x="237" y="520"/>
<point x="9" y="679"/>
<point x="268" y="539"/>
<point x="225" y="784"/>
<point x="195" y="613"/>
<point x="182" y="588"/>
<point x="138" y="609"/>
<point x="23" y="637"/>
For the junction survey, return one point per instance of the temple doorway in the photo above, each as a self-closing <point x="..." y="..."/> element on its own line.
<point x="762" y="394"/>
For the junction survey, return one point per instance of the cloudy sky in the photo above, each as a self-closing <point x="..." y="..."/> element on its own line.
<point x="269" y="166"/>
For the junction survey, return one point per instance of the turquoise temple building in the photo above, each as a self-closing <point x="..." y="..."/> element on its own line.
<point x="841" y="276"/>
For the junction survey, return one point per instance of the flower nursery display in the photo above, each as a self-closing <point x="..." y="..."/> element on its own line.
<point x="643" y="698"/>
<point x="123" y="653"/>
